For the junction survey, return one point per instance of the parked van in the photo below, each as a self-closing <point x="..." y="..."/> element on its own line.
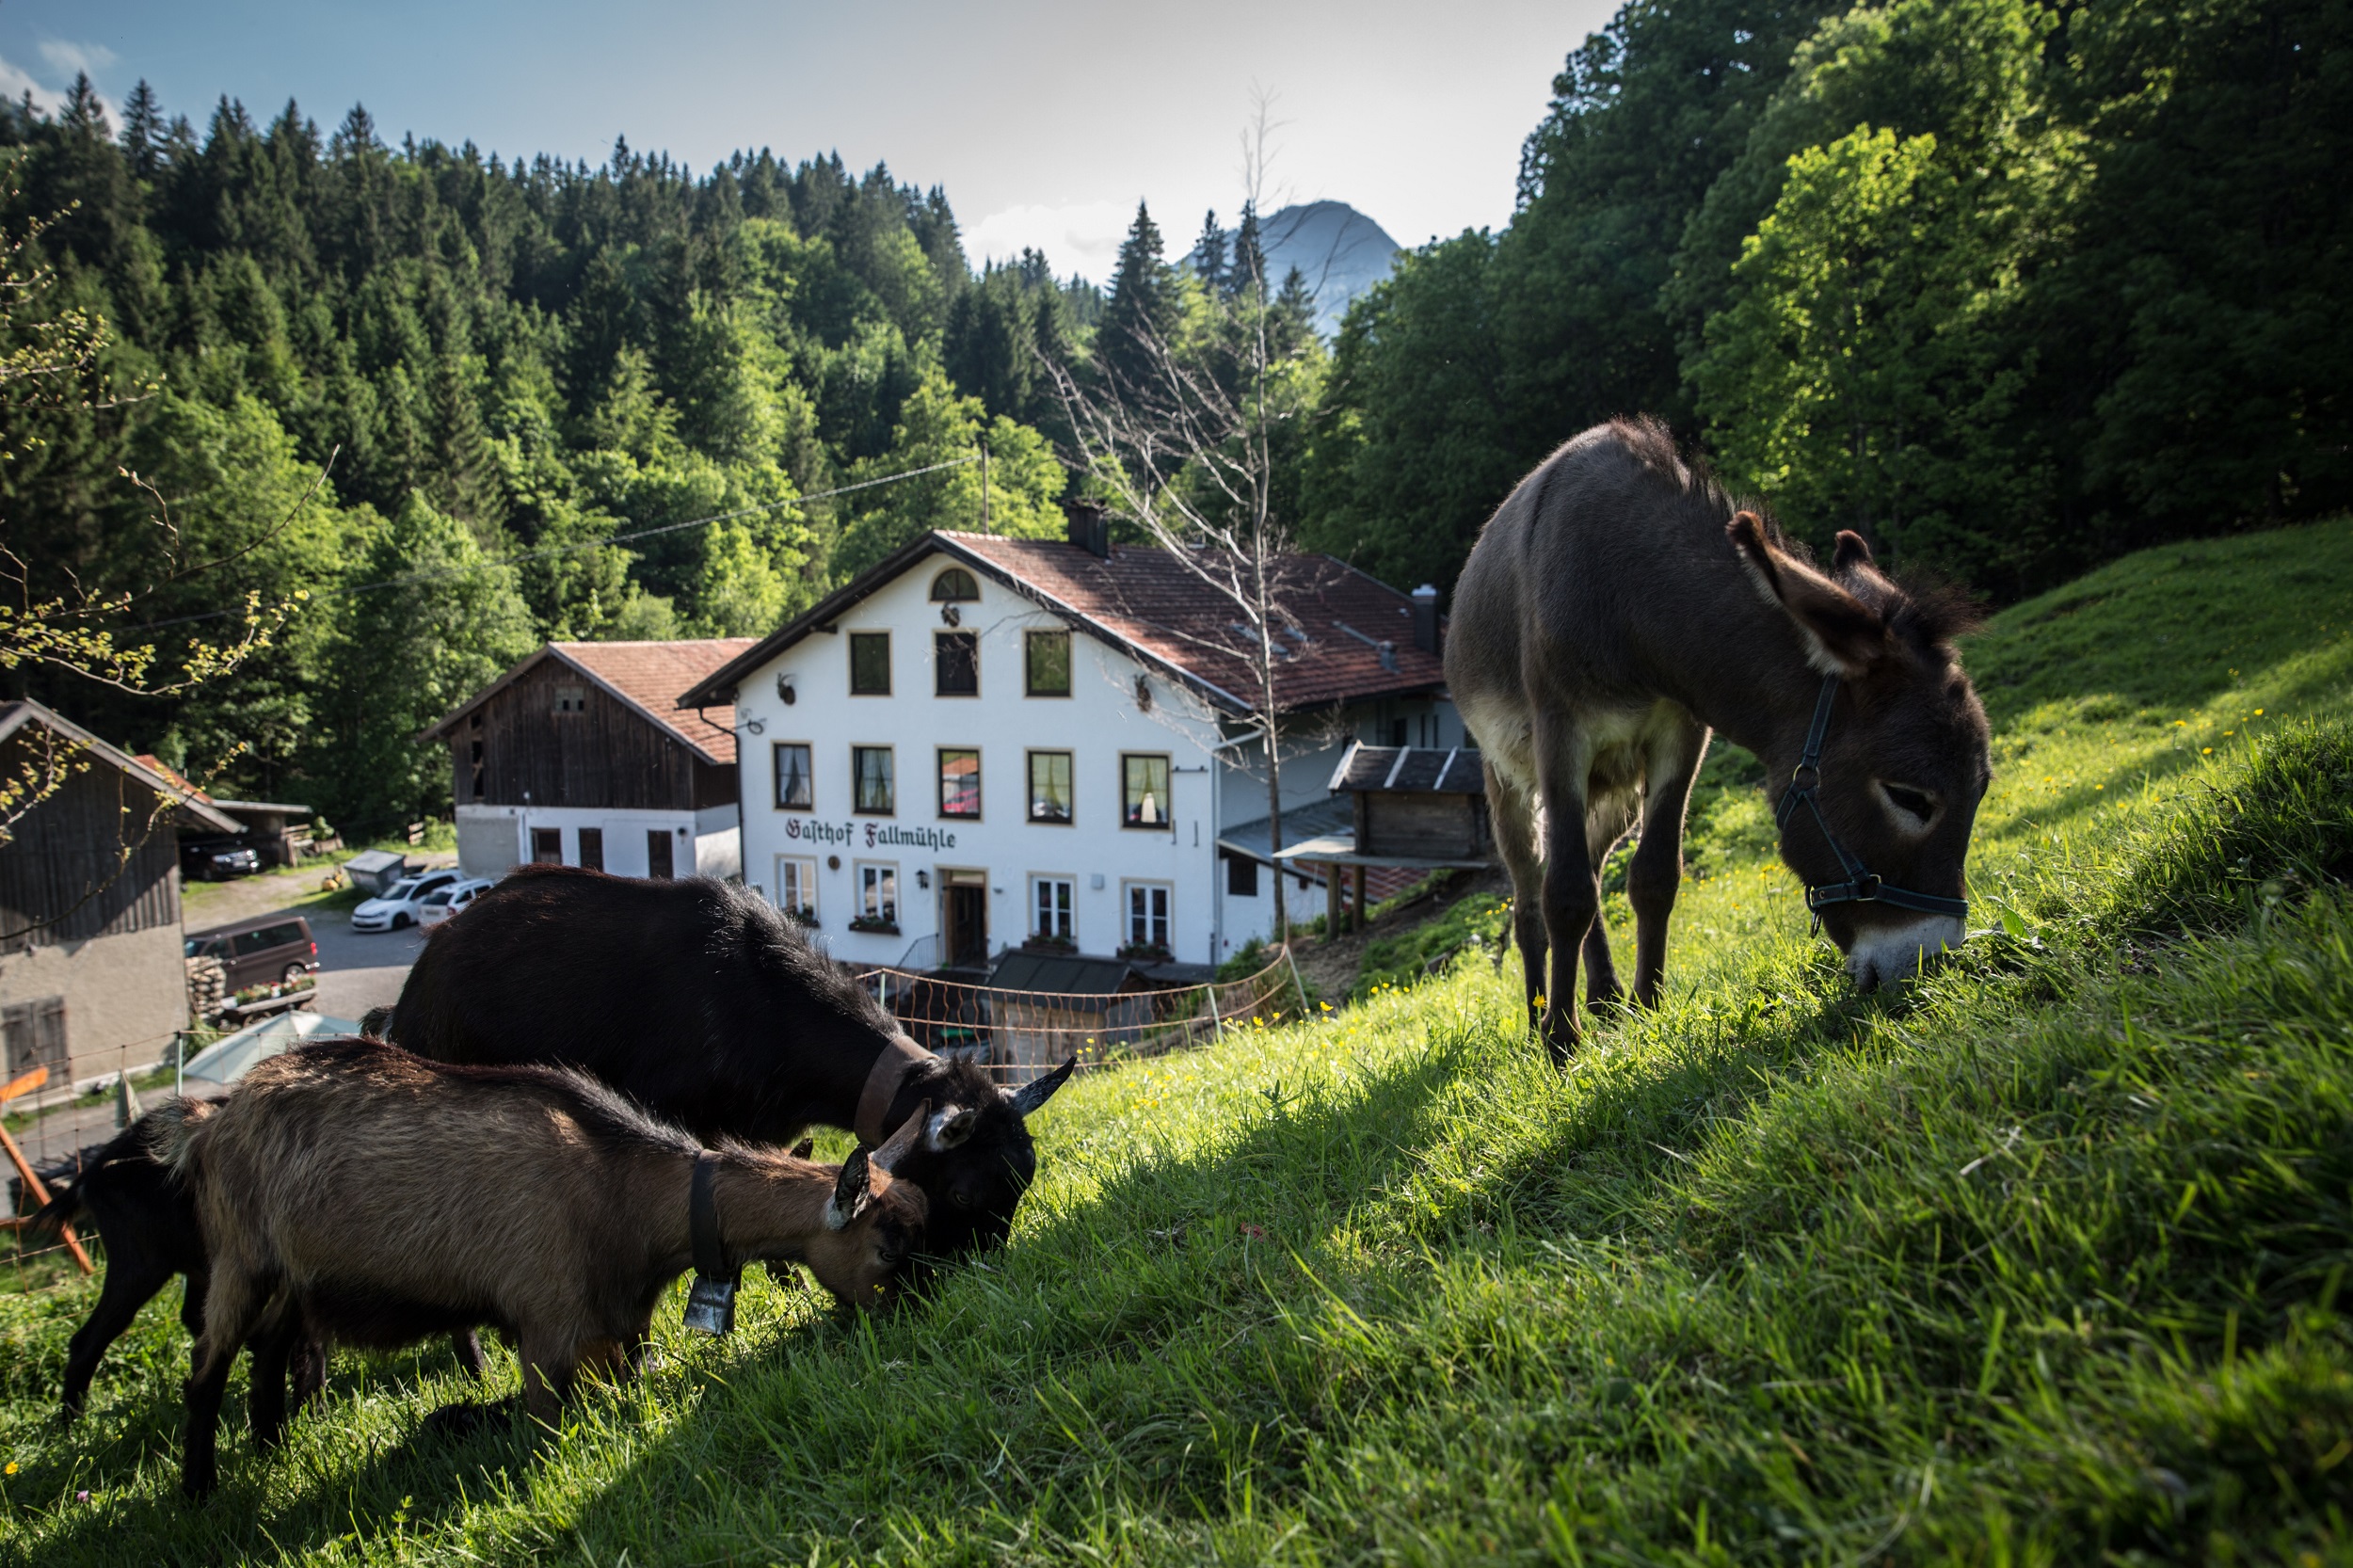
<point x="270" y="949"/>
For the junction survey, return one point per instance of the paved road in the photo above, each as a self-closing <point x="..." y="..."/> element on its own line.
<point x="358" y="969"/>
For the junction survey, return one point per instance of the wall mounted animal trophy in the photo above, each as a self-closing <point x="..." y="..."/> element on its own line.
<point x="354" y="1193"/>
<point x="1617" y="608"/>
<point x="701" y="1002"/>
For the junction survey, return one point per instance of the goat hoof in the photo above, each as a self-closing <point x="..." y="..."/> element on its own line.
<point x="462" y="1420"/>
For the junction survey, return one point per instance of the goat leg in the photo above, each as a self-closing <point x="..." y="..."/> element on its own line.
<point x="265" y="1392"/>
<point x="128" y="1287"/>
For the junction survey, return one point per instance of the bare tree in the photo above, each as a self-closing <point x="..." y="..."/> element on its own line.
<point x="1181" y="444"/>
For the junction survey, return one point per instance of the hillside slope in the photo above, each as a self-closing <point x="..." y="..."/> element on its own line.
<point x="2037" y="1263"/>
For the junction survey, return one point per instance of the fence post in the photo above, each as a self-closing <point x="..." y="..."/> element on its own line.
<point x="1217" y="1019"/>
<point x="1296" y="980"/>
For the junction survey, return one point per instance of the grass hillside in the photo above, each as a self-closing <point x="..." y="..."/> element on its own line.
<point x="2039" y="1263"/>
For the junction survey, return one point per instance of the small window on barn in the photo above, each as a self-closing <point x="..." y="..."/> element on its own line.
<point x="955" y="587"/>
<point x="571" y="699"/>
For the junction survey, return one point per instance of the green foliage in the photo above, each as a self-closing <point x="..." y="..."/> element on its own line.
<point x="1477" y="924"/>
<point x="937" y="426"/>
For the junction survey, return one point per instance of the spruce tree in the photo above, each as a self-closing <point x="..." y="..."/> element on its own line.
<point x="1248" y="270"/>
<point x="1142" y="309"/>
<point x="143" y="129"/>
<point x="1208" y="253"/>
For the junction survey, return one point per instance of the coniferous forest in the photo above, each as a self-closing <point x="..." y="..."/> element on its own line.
<point x="2011" y="287"/>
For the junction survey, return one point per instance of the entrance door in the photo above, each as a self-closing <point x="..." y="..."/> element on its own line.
<point x="658" y="861"/>
<point x="964" y="928"/>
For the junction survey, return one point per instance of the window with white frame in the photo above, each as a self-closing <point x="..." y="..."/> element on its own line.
<point x="796" y="887"/>
<point x="878" y="892"/>
<point x="1051" y="899"/>
<point x="1147" y="915"/>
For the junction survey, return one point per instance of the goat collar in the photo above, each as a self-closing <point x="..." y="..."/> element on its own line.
<point x="702" y="1220"/>
<point x="899" y="1057"/>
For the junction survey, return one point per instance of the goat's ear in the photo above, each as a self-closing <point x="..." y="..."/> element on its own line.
<point x="953" y="1126"/>
<point x="850" y="1191"/>
<point x="805" y="1147"/>
<point x="1035" y="1092"/>
<point x="900" y="1144"/>
<point x="1852" y="551"/>
<point x="1841" y="635"/>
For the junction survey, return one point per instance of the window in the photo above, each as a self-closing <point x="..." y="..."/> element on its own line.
<point x="959" y="782"/>
<point x="35" y="1032"/>
<point x="956" y="664"/>
<point x="874" y="788"/>
<point x="955" y="587"/>
<point x="1147" y="915"/>
<point x="251" y="943"/>
<point x="796" y="887"/>
<point x="1047" y="657"/>
<point x="659" y="864"/>
<point x="592" y="848"/>
<point x="1144" y="791"/>
<point x="1050" y="786"/>
<point x="878" y="893"/>
<point x="1242" y="876"/>
<point x="547" y="846"/>
<point x="1050" y="899"/>
<point x="870" y="663"/>
<point x="473" y="756"/>
<point x="795" y="789"/>
<point x="571" y="699"/>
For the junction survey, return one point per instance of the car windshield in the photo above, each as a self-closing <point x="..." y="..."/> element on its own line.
<point x="400" y="890"/>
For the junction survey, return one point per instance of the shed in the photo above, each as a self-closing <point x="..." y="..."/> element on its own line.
<point x="1416" y="809"/>
<point x="374" y="870"/>
<point x="1046" y="1006"/>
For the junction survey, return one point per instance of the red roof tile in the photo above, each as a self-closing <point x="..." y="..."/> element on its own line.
<point x="651" y="676"/>
<point x="1154" y="599"/>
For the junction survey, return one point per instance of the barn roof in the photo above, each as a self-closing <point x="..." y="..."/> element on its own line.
<point x="1154" y="604"/>
<point x="1422" y="770"/>
<point x="645" y="677"/>
<point x="14" y="716"/>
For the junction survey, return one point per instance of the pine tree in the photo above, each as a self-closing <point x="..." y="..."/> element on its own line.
<point x="1142" y="313"/>
<point x="1248" y="270"/>
<point x="83" y="111"/>
<point x="143" y="129"/>
<point x="1208" y="253"/>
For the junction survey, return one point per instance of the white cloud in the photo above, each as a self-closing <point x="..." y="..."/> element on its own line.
<point x="15" y="83"/>
<point x="1080" y="237"/>
<point x="66" y="58"/>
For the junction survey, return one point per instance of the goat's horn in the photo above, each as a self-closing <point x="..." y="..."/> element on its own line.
<point x="1035" y="1092"/>
<point x="895" y="1148"/>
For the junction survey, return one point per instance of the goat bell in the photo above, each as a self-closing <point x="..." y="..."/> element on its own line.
<point x="711" y="1305"/>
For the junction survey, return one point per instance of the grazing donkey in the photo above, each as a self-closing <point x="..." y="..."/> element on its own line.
<point x="702" y="1003"/>
<point x="1615" y="610"/>
<point x="353" y="1191"/>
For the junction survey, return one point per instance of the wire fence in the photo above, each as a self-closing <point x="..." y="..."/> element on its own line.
<point x="55" y="1116"/>
<point x="1017" y="1035"/>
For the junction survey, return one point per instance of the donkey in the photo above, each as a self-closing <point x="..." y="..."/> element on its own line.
<point x="705" y="1005"/>
<point x="1615" y="610"/>
<point x="351" y="1191"/>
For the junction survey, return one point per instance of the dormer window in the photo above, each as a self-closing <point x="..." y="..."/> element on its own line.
<point x="955" y="587"/>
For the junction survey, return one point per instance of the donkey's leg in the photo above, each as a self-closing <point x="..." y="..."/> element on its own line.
<point x="1657" y="874"/>
<point x="1509" y="812"/>
<point x="1571" y="893"/>
<point x="1605" y="825"/>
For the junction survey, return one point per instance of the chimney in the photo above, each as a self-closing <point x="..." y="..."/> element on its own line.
<point x="1388" y="656"/>
<point x="1090" y="530"/>
<point x="1426" y="618"/>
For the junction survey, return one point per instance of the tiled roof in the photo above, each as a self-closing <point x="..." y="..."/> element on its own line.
<point x="1151" y="602"/>
<point x="651" y="676"/>
<point x="1155" y="601"/>
<point x="648" y="677"/>
<point x="1433" y="770"/>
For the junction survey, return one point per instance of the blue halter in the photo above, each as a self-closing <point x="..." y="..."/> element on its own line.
<point x="1861" y="886"/>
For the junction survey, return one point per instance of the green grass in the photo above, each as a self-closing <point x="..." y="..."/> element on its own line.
<point x="2040" y="1262"/>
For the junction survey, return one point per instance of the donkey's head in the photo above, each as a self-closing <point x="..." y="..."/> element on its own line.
<point x="1878" y="826"/>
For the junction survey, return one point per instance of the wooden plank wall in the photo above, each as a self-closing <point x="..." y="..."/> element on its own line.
<point x="65" y="860"/>
<point x="606" y="755"/>
<point x="1442" y="827"/>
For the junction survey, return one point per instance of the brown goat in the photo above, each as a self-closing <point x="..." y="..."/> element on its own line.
<point x="372" y="1198"/>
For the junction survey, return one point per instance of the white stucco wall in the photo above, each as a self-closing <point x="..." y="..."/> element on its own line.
<point x="493" y="839"/>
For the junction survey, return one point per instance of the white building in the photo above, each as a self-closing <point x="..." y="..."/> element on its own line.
<point x="986" y="741"/>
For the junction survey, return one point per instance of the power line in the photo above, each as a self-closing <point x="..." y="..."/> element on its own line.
<point x="578" y="545"/>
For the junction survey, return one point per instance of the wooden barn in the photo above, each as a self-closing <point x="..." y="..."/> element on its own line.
<point x="581" y="756"/>
<point x="1412" y="810"/>
<point x="91" y="978"/>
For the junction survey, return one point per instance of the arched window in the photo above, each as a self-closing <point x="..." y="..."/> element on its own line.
<point x="955" y="587"/>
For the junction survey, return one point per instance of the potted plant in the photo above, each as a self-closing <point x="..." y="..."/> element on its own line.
<point x="1149" y="952"/>
<point x="874" y="924"/>
<point x="1047" y="941"/>
<point x="805" y="915"/>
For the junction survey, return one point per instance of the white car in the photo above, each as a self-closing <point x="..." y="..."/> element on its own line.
<point x="400" y="904"/>
<point x="440" y="903"/>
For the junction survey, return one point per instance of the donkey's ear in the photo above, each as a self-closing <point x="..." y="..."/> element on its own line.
<point x="850" y="1191"/>
<point x="897" y="1147"/>
<point x="1841" y="635"/>
<point x="1852" y="551"/>
<point x="1035" y="1092"/>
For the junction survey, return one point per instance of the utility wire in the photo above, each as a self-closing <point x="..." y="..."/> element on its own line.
<point x="578" y="545"/>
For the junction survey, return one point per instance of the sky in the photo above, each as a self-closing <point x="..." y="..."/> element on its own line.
<point x="1047" y="120"/>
